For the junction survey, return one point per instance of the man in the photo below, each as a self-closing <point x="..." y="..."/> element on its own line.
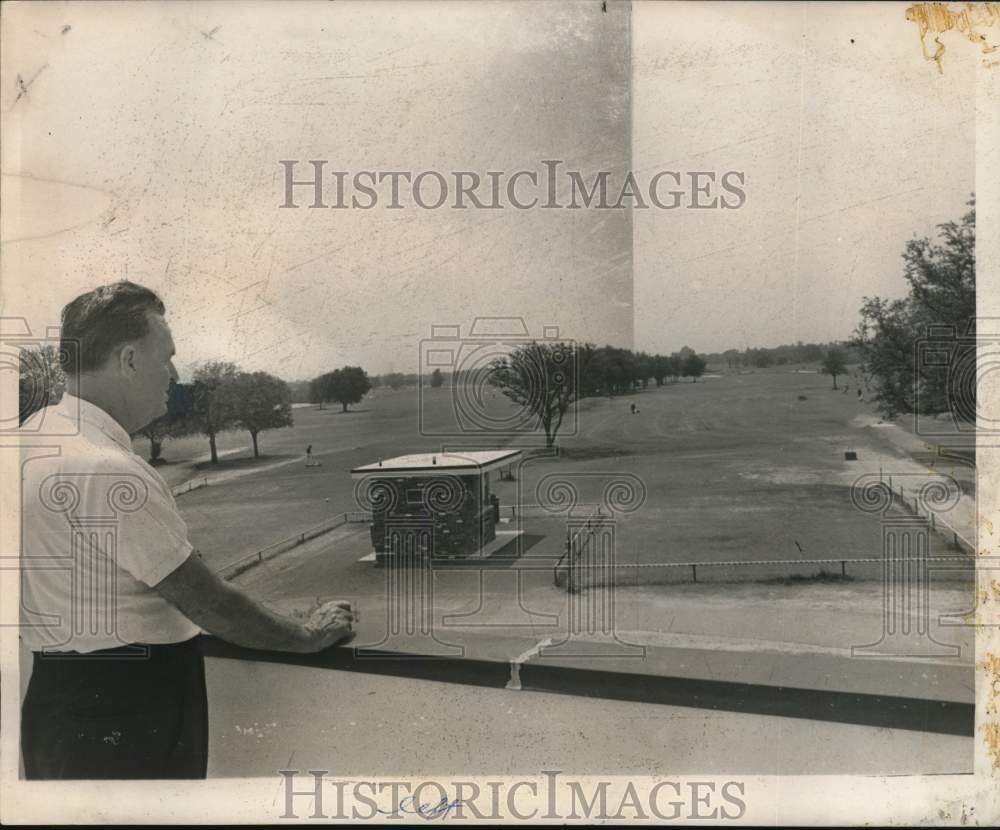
<point x="112" y="597"/>
<point x="310" y="461"/>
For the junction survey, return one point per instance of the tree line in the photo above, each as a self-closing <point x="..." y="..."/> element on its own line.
<point x="789" y="353"/>
<point x="610" y="370"/>
<point x="220" y="397"/>
<point x="546" y="378"/>
<point x="892" y="343"/>
<point x="919" y="351"/>
<point x="345" y="386"/>
<point x="307" y="391"/>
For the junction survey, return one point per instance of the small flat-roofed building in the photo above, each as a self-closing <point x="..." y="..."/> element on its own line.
<point x="435" y="505"/>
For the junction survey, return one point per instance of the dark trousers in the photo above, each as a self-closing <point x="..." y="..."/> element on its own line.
<point x="134" y="712"/>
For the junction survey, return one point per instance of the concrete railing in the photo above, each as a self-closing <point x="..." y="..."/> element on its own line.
<point x="188" y="486"/>
<point x="234" y="569"/>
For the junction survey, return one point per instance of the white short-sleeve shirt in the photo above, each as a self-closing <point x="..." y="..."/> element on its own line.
<point x="99" y="528"/>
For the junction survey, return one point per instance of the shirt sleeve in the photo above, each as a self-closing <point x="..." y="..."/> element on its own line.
<point x="150" y="538"/>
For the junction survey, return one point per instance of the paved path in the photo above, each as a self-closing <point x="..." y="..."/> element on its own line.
<point x="912" y="462"/>
<point x="810" y="616"/>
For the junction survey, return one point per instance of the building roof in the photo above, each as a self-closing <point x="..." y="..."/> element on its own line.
<point x="428" y="463"/>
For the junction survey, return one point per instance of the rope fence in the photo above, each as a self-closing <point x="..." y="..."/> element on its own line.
<point x="945" y="529"/>
<point x="698" y="572"/>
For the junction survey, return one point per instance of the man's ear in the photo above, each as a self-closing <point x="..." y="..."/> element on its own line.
<point x="126" y="359"/>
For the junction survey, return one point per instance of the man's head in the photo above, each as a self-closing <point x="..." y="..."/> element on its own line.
<point x="118" y="352"/>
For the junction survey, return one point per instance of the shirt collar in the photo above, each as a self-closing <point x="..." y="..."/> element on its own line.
<point x="95" y="416"/>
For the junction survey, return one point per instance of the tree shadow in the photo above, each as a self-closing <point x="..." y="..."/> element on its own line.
<point x="247" y="462"/>
<point x="502" y="559"/>
<point x="586" y="453"/>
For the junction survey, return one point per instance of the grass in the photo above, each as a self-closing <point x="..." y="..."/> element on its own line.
<point x="734" y="468"/>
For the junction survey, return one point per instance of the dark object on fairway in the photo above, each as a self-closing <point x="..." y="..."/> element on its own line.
<point x="803" y="398"/>
<point x="850" y="455"/>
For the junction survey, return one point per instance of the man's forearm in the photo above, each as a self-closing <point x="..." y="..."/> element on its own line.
<point x="225" y="611"/>
<point x="239" y="619"/>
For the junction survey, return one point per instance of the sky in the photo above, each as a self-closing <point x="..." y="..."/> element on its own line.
<point x="146" y="145"/>
<point x="851" y="144"/>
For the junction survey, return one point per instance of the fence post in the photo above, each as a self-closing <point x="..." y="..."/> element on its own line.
<point x="843" y="567"/>
<point x="694" y="573"/>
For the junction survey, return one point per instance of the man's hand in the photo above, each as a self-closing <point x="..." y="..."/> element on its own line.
<point x="331" y="623"/>
<point x="320" y="602"/>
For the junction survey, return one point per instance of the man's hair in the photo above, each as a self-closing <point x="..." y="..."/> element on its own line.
<point x="98" y="322"/>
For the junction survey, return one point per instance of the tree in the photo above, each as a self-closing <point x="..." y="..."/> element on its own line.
<point x="645" y="369"/>
<point x="693" y="367"/>
<point x="661" y="368"/>
<point x="601" y="372"/>
<point x="348" y="386"/>
<point x="211" y="410"/>
<point x="175" y="423"/>
<point x="834" y="363"/>
<point x="675" y="365"/>
<point x="258" y="401"/>
<point x="542" y="378"/>
<point x="300" y="391"/>
<point x="437" y="379"/>
<point x="40" y="381"/>
<point x="939" y="312"/>
<point x="759" y="358"/>
<point x="316" y="391"/>
<point x="156" y="433"/>
<point x="811" y="353"/>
